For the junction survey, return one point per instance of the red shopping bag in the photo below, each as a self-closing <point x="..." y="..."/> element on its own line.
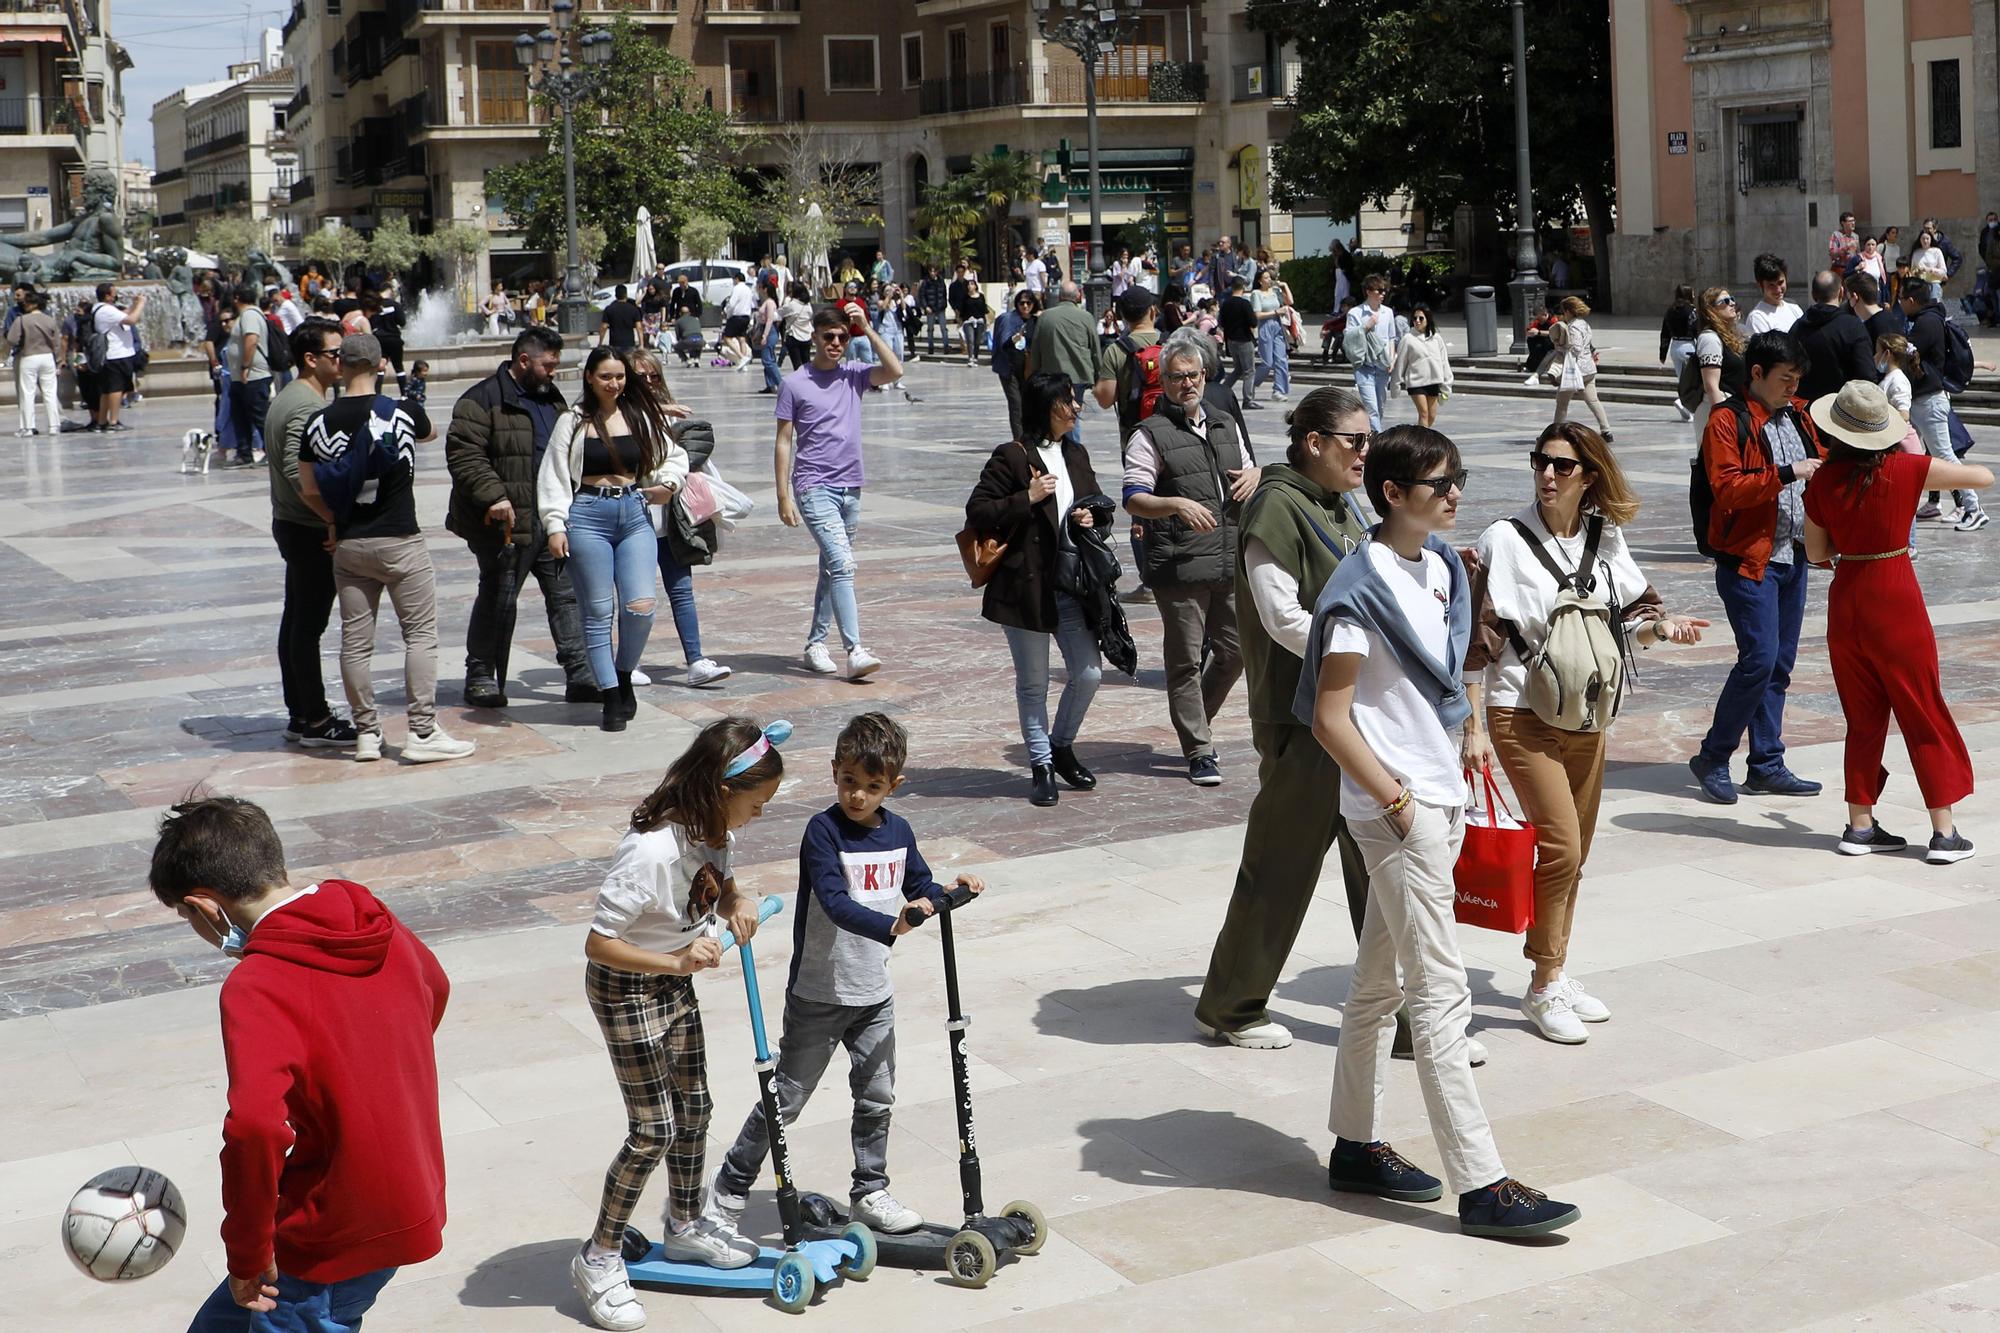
<point x="1495" y="874"/>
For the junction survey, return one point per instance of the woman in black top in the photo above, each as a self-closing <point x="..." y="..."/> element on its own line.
<point x="1719" y="348"/>
<point x="1030" y="493"/>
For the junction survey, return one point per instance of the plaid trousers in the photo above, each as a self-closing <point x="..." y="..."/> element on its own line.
<point x="652" y="1028"/>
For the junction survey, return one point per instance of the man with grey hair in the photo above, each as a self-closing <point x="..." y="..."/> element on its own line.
<point x="1066" y="343"/>
<point x="1187" y="472"/>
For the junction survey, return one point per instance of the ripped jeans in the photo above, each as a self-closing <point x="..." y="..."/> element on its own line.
<point x="612" y="557"/>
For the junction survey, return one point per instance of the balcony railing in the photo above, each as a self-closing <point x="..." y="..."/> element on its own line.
<point x="172" y="219"/>
<point x="293" y="20"/>
<point x="220" y="144"/>
<point x="302" y="188"/>
<point x="405" y="12"/>
<point x="43" y="115"/>
<point x="168" y="177"/>
<point x="753" y="6"/>
<point x="1040" y="85"/>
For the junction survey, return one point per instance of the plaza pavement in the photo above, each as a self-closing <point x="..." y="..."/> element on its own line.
<point x="1792" y="1122"/>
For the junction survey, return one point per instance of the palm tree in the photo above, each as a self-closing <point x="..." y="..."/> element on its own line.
<point x="946" y="216"/>
<point x="992" y="186"/>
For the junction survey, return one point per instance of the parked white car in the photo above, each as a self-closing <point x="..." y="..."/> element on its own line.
<point x="714" y="279"/>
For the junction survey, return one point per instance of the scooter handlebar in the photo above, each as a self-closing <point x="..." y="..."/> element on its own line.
<point x="957" y="896"/>
<point x="770" y="907"/>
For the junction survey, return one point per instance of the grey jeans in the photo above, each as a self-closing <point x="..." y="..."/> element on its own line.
<point x="1191" y="614"/>
<point x="1242" y="369"/>
<point x="364" y="568"/>
<point x="812" y="1031"/>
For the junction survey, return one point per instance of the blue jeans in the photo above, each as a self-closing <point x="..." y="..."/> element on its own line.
<point x="1372" y="383"/>
<point x="1765" y="617"/>
<point x="249" y="400"/>
<point x="612" y="551"/>
<point x="774" y="343"/>
<point x="1274" y="357"/>
<point x="861" y="351"/>
<point x="1031" y="678"/>
<point x="831" y="514"/>
<point x="225" y="411"/>
<point x="680" y="596"/>
<point x="303" y="1307"/>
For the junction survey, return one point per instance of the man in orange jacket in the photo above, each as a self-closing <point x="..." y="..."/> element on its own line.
<point x="1757" y="454"/>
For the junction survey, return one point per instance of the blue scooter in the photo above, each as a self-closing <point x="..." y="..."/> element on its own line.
<point x="805" y="1264"/>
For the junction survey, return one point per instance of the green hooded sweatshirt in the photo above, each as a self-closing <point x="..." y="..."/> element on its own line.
<point x="1295" y="518"/>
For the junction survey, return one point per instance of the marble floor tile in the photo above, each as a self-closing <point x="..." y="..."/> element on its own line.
<point x="1813" y="1087"/>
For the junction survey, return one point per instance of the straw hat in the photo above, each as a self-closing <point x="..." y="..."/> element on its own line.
<point x="1860" y="416"/>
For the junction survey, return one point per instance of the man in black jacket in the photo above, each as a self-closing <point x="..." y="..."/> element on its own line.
<point x="499" y="428"/>
<point x="1836" y="339"/>
<point x="1930" y="402"/>
<point x="932" y="297"/>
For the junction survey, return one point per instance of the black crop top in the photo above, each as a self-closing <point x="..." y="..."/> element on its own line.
<point x="602" y="461"/>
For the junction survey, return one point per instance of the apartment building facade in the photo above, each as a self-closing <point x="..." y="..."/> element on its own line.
<point x="225" y="150"/>
<point x="1749" y="127"/>
<point x="406" y="105"/>
<point x="61" y="106"/>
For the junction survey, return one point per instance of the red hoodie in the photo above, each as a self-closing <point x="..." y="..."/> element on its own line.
<point x="332" y="1160"/>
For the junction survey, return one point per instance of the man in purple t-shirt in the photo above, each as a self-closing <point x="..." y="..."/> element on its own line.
<point x="819" y="404"/>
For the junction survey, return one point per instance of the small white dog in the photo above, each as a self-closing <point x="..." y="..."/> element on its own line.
<point x="197" y="446"/>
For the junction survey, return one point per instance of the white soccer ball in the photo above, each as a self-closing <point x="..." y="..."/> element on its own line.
<point x="124" y="1224"/>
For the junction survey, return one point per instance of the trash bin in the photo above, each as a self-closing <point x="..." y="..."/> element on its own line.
<point x="1482" y="330"/>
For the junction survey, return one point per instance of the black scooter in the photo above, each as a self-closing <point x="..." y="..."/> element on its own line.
<point x="972" y="1253"/>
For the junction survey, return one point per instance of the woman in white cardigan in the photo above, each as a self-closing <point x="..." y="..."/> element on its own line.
<point x="608" y="458"/>
<point x="1423" y="366"/>
<point x="1581" y="501"/>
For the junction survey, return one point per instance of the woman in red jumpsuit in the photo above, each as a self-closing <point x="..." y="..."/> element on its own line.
<point x="1859" y="506"/>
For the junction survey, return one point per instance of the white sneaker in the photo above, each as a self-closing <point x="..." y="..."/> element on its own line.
<point x="368" y="747"/>
<point x="607" y="1293"/>
<point x="1550" y="1011"/>
<point x="861" y="663"/>
<point x="640" y="678"/>
<point x="1681" y="410"/>
<point x="726" y="1209"/>
<point x="819" y="660"/>
<point x="1475" y="1051"/>
<point x="1264" y="1036"/>
<point x="435" y="747"/>
<point x="881" y="1212"/>
<point x="1582" y="1003"/>
<point x="706" y="671"/>
<point x="1531" y="381"/>
<point x="709" y="1242"/>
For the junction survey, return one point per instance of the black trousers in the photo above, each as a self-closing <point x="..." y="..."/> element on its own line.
<point x="308" y="603"/>
<point x="489" y="637"/>
<point x="1011" y="386"/>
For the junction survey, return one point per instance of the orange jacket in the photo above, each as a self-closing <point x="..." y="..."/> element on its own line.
<point x="1744" y="519"/>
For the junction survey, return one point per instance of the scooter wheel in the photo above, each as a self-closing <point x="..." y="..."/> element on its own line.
<point x="863" y="1241"/>
<point x="1024" y="1211"/>
<point x="634" y="1245"/>
<point x="970" y="1259"/>
<point x="792" y="1283"/>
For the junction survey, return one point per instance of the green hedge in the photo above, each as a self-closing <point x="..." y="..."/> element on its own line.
<point x="1311" y="280"/>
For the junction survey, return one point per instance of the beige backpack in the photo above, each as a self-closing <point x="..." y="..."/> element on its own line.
<point x="1576" y="677"/>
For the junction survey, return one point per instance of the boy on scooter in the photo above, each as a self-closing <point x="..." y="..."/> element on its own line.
<point x="858" y="866"/>
<point x="1381" y="690"/>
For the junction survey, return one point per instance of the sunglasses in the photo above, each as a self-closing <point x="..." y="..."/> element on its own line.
<point x="833" y="337"/>
<point x="1184" y="376"/>
<point x="1562" y="467"/>
<point x="1725" y="300"/>
<point x="1439" y="484"/>
<point x="1354" y="441"/>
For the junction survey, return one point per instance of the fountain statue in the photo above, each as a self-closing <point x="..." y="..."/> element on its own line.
<point x="91" y="246"/>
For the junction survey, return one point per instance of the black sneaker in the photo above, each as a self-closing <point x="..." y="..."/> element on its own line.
<point x="1784" y="782"/>
<point x="336" y="733"/>
<point x="1510" y="1210"/>
<point x="582" y="694"/>
<point x="1205" y="772"/>
<point x="1378" y="1169"/>
<point x="484" y="694"/>
<point x="1875" y="838"/>
<point x="1946" y="848"/>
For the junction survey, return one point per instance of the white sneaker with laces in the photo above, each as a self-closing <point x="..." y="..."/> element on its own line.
<point x="1582" y="1003"/>
<point x="1264" y="1036"/>
<point x="435" y="747"/>
<point x="819" y="660"/>
<point x="861" y="663"/>
<point x="368" y="747"/>
<point x="881" y="1212"/>
<point x="709" y="1241"/>
<point x="1549" y="1010"/>
<point x="607" y="1293"/>
<point x="706" y="671"/>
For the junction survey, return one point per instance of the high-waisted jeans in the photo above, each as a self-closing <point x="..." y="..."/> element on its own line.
<point x="612" y="551"/>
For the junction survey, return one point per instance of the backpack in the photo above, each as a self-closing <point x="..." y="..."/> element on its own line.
<point x="1955" y="370"/>
<point x="96" y="342"/>
<point x="1143" y="382"/>
<point x="277" y="346"/>
<point x="1687" y="387"/>
<point x="349" y="478"/>
<point x="1576" y="679"/>
<point x="1701" y="496"/>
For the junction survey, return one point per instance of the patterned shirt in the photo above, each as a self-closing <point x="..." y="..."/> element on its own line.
<point x="1782" y="438"/>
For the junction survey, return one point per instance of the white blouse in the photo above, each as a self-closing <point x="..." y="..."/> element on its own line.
<point x="647" y="896"/>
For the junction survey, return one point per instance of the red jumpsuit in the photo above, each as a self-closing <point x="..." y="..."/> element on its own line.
<point x="1879" y="635"/>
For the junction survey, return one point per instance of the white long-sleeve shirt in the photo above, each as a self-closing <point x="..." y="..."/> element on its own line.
<point x="1275" y="591"/>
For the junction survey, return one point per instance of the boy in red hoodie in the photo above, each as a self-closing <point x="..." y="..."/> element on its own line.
<point x="332" y="1159"/>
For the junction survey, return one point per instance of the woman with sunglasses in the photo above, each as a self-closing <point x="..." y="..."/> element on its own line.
<point x="608" y="458"/>
<point x="1718" y="350"/>
<point x="1013" y="335"/>
<point x="1582" y="502"/>
<point x="1032" y="490"/>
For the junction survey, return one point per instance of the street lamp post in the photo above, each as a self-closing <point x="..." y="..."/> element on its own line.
<point x="567" y="67"/>
<point x="1527" y="288"/>
<point x="1087" y="27"/>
